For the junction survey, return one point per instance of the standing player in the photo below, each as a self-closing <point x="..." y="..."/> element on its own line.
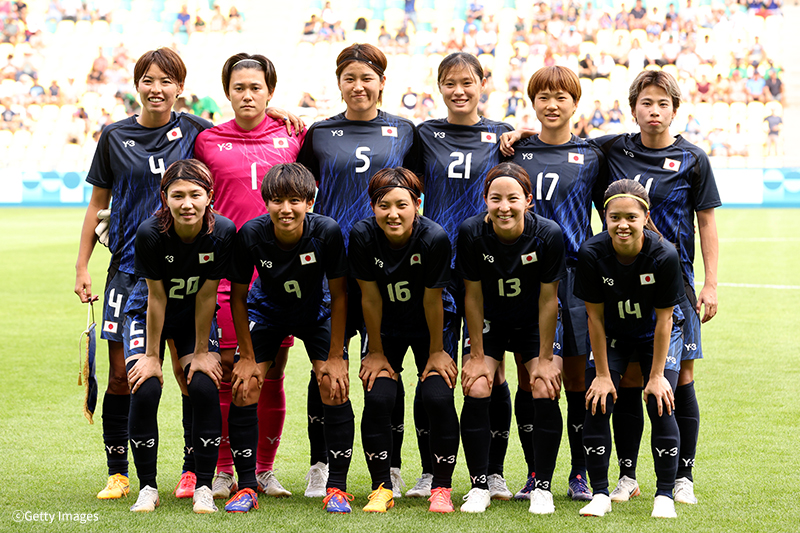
<point x="239" y="153"/>
<point x="630" y="279"/>
<point x="678" y="178"/>
<point x="131" y="158"/>
<point x="294" y="252"/>
<point x="456" y="153"/>
<point x="181" y="254"/>
<point x="343" y="153"/>
<point x="402" y="263"/>
<point x="511" y="262"/>
<point x="566" y="169"/>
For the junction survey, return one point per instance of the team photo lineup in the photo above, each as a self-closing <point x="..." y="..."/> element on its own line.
<point x="363" y="236"/>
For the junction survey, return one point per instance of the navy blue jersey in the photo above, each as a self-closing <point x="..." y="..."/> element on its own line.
<point x="131" y="160"/>
<point x="183" y="267"/>
<point x="291" y="289"/>
<point x="510" y="274"/>
<point x="401" y="274"/>
<point x="565" y="179"/>
<point x="678" y="179"/>
<point x="453" y="161"/>
<point x="630" y="293"/>
<point x="344" y="154"/>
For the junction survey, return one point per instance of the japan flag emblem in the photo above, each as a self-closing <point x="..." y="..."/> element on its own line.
<point x="306" y="259"/>
<point x="388" y="131"/>
<point x="488" y="137"/>
<point x="671" y="164"/>
<point x="529" y="258"/>
<point x="575" y="158"/>
<point x="280" y="142"/>
<point x="174" y="134"/>
<point x="206" y="258"/>
<point x="416" y="259"/>
<point x="647" y="279"/>
<point x="137" y="343"/>
<point x="111" y="327"/>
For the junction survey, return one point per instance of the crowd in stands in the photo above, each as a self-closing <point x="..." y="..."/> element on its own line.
<point x="597" y="43"/>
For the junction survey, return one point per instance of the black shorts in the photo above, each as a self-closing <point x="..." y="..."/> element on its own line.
<point x="119" y="286"/>
<point x="267" y="340"/>
<point x="396" y="347"/>
<point x="499" y="339"/>
<point x="573" y="319"/>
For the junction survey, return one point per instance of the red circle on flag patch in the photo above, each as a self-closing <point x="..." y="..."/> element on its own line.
<point x="136" y="343"/>
<point x="529" y="258"/>
<point x="575" y="158"/>
<point x="671" y="164"/>
<point x="110" y="326"/>
<point x="647" y="278"/>
<point x="308" y="258"/>
<point x="388" y="130"/>
<point x="205" y="258"/>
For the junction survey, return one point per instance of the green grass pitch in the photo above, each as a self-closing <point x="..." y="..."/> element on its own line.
<point x="52" y="461"/>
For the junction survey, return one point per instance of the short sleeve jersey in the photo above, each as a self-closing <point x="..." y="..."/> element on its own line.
<point x="239" y="160"/>
<point x="131" y="160"/>
<point x="630" y="293"/>
<point x="678" y="179"/>
<point x="565" y="178"/>
<point x="510" y="274"/>
<point x="344" y="154"/>
<point x="454" y="160"/>
<point x="182" y="267"/>
<point x="291" y="281"/>
<point x="402" y="274"/>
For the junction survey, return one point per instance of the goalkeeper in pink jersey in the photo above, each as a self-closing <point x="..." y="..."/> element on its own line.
<point x="239" y="154"/>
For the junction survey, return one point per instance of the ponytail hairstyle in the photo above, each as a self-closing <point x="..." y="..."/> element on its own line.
<point x="393" y="178"/>
<point x="631" y="189"/>
<point x="187" y="170"/>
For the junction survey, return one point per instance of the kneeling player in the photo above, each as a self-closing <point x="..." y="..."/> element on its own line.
<point x="181" y="254"/>
<point x="293" y="252"/>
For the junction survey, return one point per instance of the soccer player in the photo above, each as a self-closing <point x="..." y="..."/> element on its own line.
<point x="630" y="279"/>
<point x="402" y="263"/>
<point x="181" y="254"/>
<point x="294" y="252"/>
<point x="511" y="261"/>
<point x="566" y="169"/>
<point x="456" y="154"/>
<point x="343" y="153"/>
<point x="678" y="178"/>
<point x="129" y="163"/>
<point x="239" y="153"/>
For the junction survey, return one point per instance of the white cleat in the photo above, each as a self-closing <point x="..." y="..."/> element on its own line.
<point x="223" y="486"/>
<point x="664" y="507"/>
<point x="477" y="501"/>
<point x="147" y="500"/>
<point x="599" y="506"/>
<point x="542" y="502"/>
<point x="397" y="482"/>
<point x="317" y="478"/>
<point x="498" y="490"/>
<point x="684" y="491"/>
<point x="203" y="501"/>
<point x="269" y="485"/>
<point x="422" y="488"/>
<point x="626" y="489"/>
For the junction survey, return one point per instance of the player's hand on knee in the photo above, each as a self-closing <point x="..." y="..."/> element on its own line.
<point x="598" y="391"/>
<point x="474" y="369"/>
<point x="660" y="388"/>
<point x="441" y="363"/>
<point x="208" y="365"/>
<point x="242" y="377"/>
<point x="145" y="368"/>
<point x="371" y="367"/>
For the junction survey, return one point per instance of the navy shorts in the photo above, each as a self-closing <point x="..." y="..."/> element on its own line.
<point x="621" y="353"/>
<point x="396" y="347"/>
<point x="572" y="318"/>
<point x="267" y="340"/>
<point x="692" y="349"/>
<point x="119" y="287"/>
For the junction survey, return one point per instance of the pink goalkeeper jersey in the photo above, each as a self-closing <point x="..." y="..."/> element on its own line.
<point x="239" y="160"/>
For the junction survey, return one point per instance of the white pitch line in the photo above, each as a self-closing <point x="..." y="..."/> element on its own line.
<point x="759" y="239"/>
<point x="756" y="286"/>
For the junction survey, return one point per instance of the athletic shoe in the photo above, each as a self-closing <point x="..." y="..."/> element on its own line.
<point x="441" y="501"/>
<point x="498" y="490"/>
<point x="664" y="507"/>
<point x="185" y="488"/>
<point x="317" y="478"/>
<point x="147" y="500"/>
<point x="203" y="501"/>
<point x="422" y="488"/>
<point x="599" y="506"/>
<point x="117" y="487"/>
<point x="223" y="486"/>
<point x="626" y="489"/>
<point x="380" y="501"/>
<point x="578" y="489"/>
<point x="525" y="492"/>
<point x="242" y="502"/>
<point x="684" y="491"/>
<point x="337" y="501"/>
<point x="478" y="500"/>
<point x="542" y="502"/>
<point x="269" y="485"/>
<point x="397" y="482"/>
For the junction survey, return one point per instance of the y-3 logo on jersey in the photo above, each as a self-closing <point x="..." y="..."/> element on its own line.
<point x="527" y="157"/>
<point x="129" y="143"/>
<point x="337" y="133"/>
<point x="608" y="281"/>
<point x="489" y="258"/>
<point x="378" y="263"/>
<point x="225" y="146"/>
<point x="438" y="135"/>
<point x="266" y="264"/>
<point x="628" y="153"/>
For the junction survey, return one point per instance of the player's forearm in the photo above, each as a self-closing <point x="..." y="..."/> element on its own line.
<point x="241" y="321"/>
<point x="156" y="312"/>
<point x="373" y="317"/>
<point x="597" y="337"/>
<point x="548" y="316"/>
<point x="204" y="308"/>
<point x="709" y="245"/>
<point x="473" y="310"/>
<point x="661" y="341"/>
<point x="338" y="288"/>
<point x="434" y="316"/>
<point x="99" y="200"/>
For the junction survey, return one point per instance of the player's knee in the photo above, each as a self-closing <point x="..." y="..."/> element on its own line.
<point x="118" y="383"/>
<point x="539" y="390"/>
<point x="480" y="389"/>
<point x="325" y="388"/>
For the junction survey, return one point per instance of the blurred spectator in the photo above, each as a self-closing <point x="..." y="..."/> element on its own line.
<point x="183" y="21"/>
<point x="652" y="51"/>
<point x="670" y="50"/>
<point x="737" y="143"/>
<point x="329" y="16"/>
<point x="514" y="103"/>
<point x="361" y="24"/>
<point x="517" y="60"/>
<point x="722" y="89"/>
<point x="605" y="64"/>
<point x="638" y="16"/>
<point x="598" y="118"/>
<point x="774" y="86"/>
<point x="475" y="10"/>
<point x="311" y="28"/>
<point x="205" y="107"/>
<point x="738" y="91"/>
<point x="621" y="19"/>
<point x="706" y="50"/>
<point x="453" y="43"/>
<point x="307" y="101"/>
<point x="218" y="21"/>
<point x="469" y="44"/>
<point x="487" y="38"/>
<point x="519" y="30"/>
<point x="402" y="41"/>
<point x="757" y="53"/>
<point x="199" y="23"/>
<point x="774" y="125"/>
<point x="9" y="70"/>
<point x="587" y="68"/>
<point x="572" y="41"/>
<point x="582" y="127"/>
<point x="515" y="79"/>
<point x="756" y="88"/>
<point x="528" y="122"/>
<point x="70" y="92"/>
<point x="234" y="20"/>
<point x="615" y="117"/>
<point x="619" y="51"/>
<point x="410" y="14"/>
<point x="718" y="142"/>
<point x="385" y="41"/>
<point x="704" y="90"/>
<point x="692" y="131"/>
<point x="541" y="17"/>
<point x="70" y="9"/>
<point x="54" y="93"/>
<point x="636" y="57"/>
<point x="37" y="92"/>
<point x="436" y="44"/>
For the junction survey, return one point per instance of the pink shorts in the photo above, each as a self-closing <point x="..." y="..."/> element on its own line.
<point x="227" y="333"/>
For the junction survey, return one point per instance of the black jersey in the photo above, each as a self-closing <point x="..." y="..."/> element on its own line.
<point x="402" y="274"/>
<point x="291" y="281"/>
<point x="510" y="274"/>
<point x="344" y="154"/>
<point x="631" y="293"/>
<point x="565" y="179"/>
<point x="183" y="267"/>
<point x="678" y="179"/>
<point x="454" y="161"/>
<point x="131" y="160"/>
